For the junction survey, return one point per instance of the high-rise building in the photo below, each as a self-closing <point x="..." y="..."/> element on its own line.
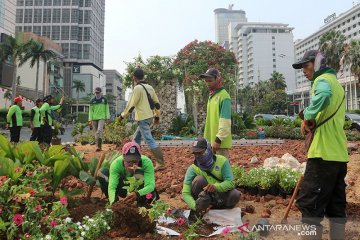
<point x="77" y="26"/>
<point x="223" y="17"/>
<point x="261" y="49"/>
<point x="114" y="87"/>
<point x="7" y="18"/>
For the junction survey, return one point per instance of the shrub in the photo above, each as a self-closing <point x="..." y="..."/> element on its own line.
<point x="83" y="117"/>
<point x="182" y="127"/>
<point x="288" y="179"/>
<point x="237" y="123"/>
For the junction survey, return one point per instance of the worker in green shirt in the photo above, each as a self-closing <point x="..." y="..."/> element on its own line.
<point x="99" y="113"/>
<point x="322" y="191"/>
<point x="47" y="121"/>
<point x="14" y="120"/>
<point x="218" y="117"/>
<point x="35" y="121"/>
<point x="209" y="181"/>
<point x="130" y="164"/>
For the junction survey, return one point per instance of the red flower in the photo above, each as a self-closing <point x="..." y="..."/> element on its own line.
<point x="69" y="230"/>
<point x="37" y="208"/>
<point x="148" y="196"/>
<point x="44" y="180"/>
<point x="64" y="201"/>
<point x="27" y="235"/>
<point x="0" y="210"/>
<point x="16" y="198"/>
<point x="18" y="169"/>
<point x="32" y="192"/>
<point x="53" y="223"/>
<point x="226" y="231"/>
<point x="29" y="174"/>
<point x="180" y="221"/>
<point x="18" y="219"/>
<point x="169" y="211"/>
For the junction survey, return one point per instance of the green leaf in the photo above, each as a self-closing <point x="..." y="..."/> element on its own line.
<point x="5" y="146"/>
<point x="60" y="172"/>
<point x="93" y="164"/>
<point x="38" y="154"/>
<point x="8" y="168"/>
<point x="85" y="177"/>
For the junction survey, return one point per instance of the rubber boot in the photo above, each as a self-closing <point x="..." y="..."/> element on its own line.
<point x="159" y="158"/>
<point x="337" y="231"/>
<point x="99" y="144"/>
<point x="312" y="236"/>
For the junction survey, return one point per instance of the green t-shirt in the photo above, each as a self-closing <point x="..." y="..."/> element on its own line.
<point x="14" y="116"/>
<point x="99" y="109"/>
<point x="45" y="112"/>
<point x="35" y="117"/>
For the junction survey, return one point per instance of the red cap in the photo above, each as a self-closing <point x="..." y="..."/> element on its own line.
<point x="17" y="99"/>
<point x="131" y="151"/>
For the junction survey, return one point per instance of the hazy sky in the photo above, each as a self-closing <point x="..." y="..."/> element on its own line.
<point x="163" y="27"/>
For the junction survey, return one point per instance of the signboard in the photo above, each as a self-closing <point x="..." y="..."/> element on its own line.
<point x="294" y="103"/>
<point x="76" y="69"/>
<point x="330" y="18"/>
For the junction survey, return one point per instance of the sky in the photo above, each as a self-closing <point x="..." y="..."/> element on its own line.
<point x="163" y="27"/>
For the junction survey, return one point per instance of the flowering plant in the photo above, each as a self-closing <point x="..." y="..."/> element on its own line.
<point x="157" y="209"/>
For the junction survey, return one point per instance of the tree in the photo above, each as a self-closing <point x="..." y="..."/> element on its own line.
<point x="36" y="52"/>
<point x="7" y="97"/>
<point x="79" y="86"/>
<point x="11" y="50"/>
<point x="277" y="81"/>
<point x="353" y="58"/>
<point x="332" y="44"/>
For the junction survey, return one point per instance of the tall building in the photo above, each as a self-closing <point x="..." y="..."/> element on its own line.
<point x="77" y="26"/>
<point x="261" y="49"/>
<point x="7" y="18"/>
<point x="223" y="17"/>
<point x="348" y="23"/>
<point x="114" y="87"/>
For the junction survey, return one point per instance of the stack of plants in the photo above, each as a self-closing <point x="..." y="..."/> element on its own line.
<point x="262" y="181"/>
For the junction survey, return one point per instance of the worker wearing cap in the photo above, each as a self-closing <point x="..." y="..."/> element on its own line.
<point x="147" y="110"/>
<point x="35" y="121"/>
<point x="47" y="121"/>
<point x="322" y="191"/>
<point x="209" y="181"/>
<point x="99" y="113"/>
<point x="14" y="120"/>
<point x="218" y="117"/>
<point x="130" y="164"/>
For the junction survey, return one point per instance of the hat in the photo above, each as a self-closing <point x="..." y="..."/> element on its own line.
<point x="211" y="72"/>
<point x="199" y="145"/>
<point x="131" y="151"/>
<point x="47" y="98"/>
<point x="98" y="90"/>
<point x="309" y="56"/>
<point x="38" y="100"/>
<point x="17" y="99"/>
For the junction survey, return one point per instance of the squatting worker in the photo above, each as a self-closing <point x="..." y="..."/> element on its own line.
<point x="35" y="121"/>
<point x="147" y="107"/>
<point x="209" y="181"/>
<point x="322" y="191"/>
<point x="99" y="113"/>
<point x="218" y="117"/>
<point x="47" y="121"/>
<point x="130" y="164"/>
<point x="14" y="120"/>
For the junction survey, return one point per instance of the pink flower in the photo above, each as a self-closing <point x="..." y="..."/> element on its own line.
<point x="27" y="235"/>
<point x="44" y="180"/>
<point x="148" y="196"/>
<point x="69" y="230"/>
<point x="180" y="221"/>
<point x="29" y="174"/>
<point x="37" y="208"/>
<point x="18" y="219"/>
<point x="169" y="211"/>
<point x="18" y="169"/>
<point x="226" y="231"/>
<point x="0" y="210"/>
<point x="32" y="192"/>
<point x="53" y="223"/>
<point x="64" y="201"/>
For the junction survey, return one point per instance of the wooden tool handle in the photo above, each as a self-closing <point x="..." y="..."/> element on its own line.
<point x="293" y="197"/>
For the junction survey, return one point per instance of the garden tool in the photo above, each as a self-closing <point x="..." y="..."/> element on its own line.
<point x="284" y="220"/>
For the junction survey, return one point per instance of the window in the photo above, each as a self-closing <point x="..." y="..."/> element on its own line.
<point x="47" y="2"/>
<point x="65" y="32"/>
<point x="273" y="43"/>
<point x="273" y="37"/>
<point x="57" y="3"/>
<point x="87" y="3"/>
<point x="353" y="17"/>
<point x="273" y="49"/>
<point x="46" y="31"/>
<point x="20" y="3"/>
<point x="273" y="54"/>
<point x="349" y="28"/>
<point x="87" y="14"/>
<point x="86" y="52"/>
<point x="47" y="16"/>
<point x="354" y="26"/>
<point x="274" y="66"/>
<point x="80" y="33"/>
<point x="18" y="29"/>
<point x="56" y="15"/>
<point x="37" y="30"/>
<point x="66" y="15"/>
<point x="75" y="2"/>
<point x="37" y="15"/>
<point x="19" y="15"/>
<point x="74" y="33"/>
<point x="81" y="3"/>
<point x="73" y="50"/>
<point x="29" y="2"/>
<point x="28" y="16"/>
<point x="27" y="29"/>
<point x="348" y="20"/>
<point x="74" y="16"/>
<point x="274" y="60"/>
<point x="38" y="2"/>
<point x="86" y="34"/>
<point x="344" y="31"/>
<point x="81" y="16"/>
<point x="55" y="33"/>
<point x="65" y="49"/>
<point x="66" y="2"/>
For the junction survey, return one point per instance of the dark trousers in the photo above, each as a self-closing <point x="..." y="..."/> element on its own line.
<point x="46" y="133"/>
<point x="103" y="178"/>
<point x="36" y="134"/>
<point x="322" y="192"/>
<point x="15" y="134"/>
<point x="218" y="199"/>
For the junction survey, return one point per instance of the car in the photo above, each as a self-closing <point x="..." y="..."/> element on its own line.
<point x="264" y="116"/>
<point x="355" y="119"/>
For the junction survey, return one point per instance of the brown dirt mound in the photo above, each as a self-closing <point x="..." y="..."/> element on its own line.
<point x="86" y="208"/>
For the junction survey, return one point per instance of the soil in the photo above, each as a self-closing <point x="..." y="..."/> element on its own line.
<point x="86" y="208"/>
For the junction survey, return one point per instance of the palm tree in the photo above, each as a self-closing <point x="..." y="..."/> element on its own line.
<point x="11" y="50"/>
<point x="7" y="97"/>
<point x="277" y="81"/>
<point x="353" y="57"/>
<point x="79" y="86"/>
<point x="36" y="52"/>
<point x="332" y="44"/>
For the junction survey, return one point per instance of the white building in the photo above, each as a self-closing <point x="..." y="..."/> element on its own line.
<point x="114" y="87"/>
<point x="261" y="49"/>
<point x="348" y="23"/>
<point x="7" y="17"/>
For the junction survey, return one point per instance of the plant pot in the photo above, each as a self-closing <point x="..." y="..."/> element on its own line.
<point x="84" y="143"/>
<point x="283" y="193"/>
<point x="253" y="191"/>
<point x="56" y="141"/>
<point x="263" y="192"/>
<point x="274" y="190"/>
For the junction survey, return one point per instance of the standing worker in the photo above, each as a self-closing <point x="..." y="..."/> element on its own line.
<point x="47" y="121"/>
<point x="322" y="191"/>
<point x="35" y="121"/>
<point x="99" y="113"/>
<point x="14" y="120"/>
<point x="218" y="118"/>
<point x="147" y="107"/>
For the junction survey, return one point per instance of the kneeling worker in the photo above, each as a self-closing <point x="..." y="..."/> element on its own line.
<point x="209" y="181"/>
<point x="130" y="164"/>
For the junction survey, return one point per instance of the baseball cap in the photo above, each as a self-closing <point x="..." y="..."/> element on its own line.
<point x="199" y="145"/>
<point x="47" y="98"/>
<point x="131" y="152"/>
<point x="98" y="90"/>
<point x="211" y="72"/>
<point x="309" y="56"/>
<point x="17" y="99"/>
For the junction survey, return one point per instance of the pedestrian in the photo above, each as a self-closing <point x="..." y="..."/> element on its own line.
<point x="261" y="133"/>
<point x="130" y="164"/>
<point x="147" y="108"/>
<point x="218" y="117"/>
<point x="14" y="120"/>
<point x="209" y="181"/>
<point x="322" y="191"/>
<point x="47" y="121"/>
<point x="35" y="121"/>
<point x="99" y="114"/>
